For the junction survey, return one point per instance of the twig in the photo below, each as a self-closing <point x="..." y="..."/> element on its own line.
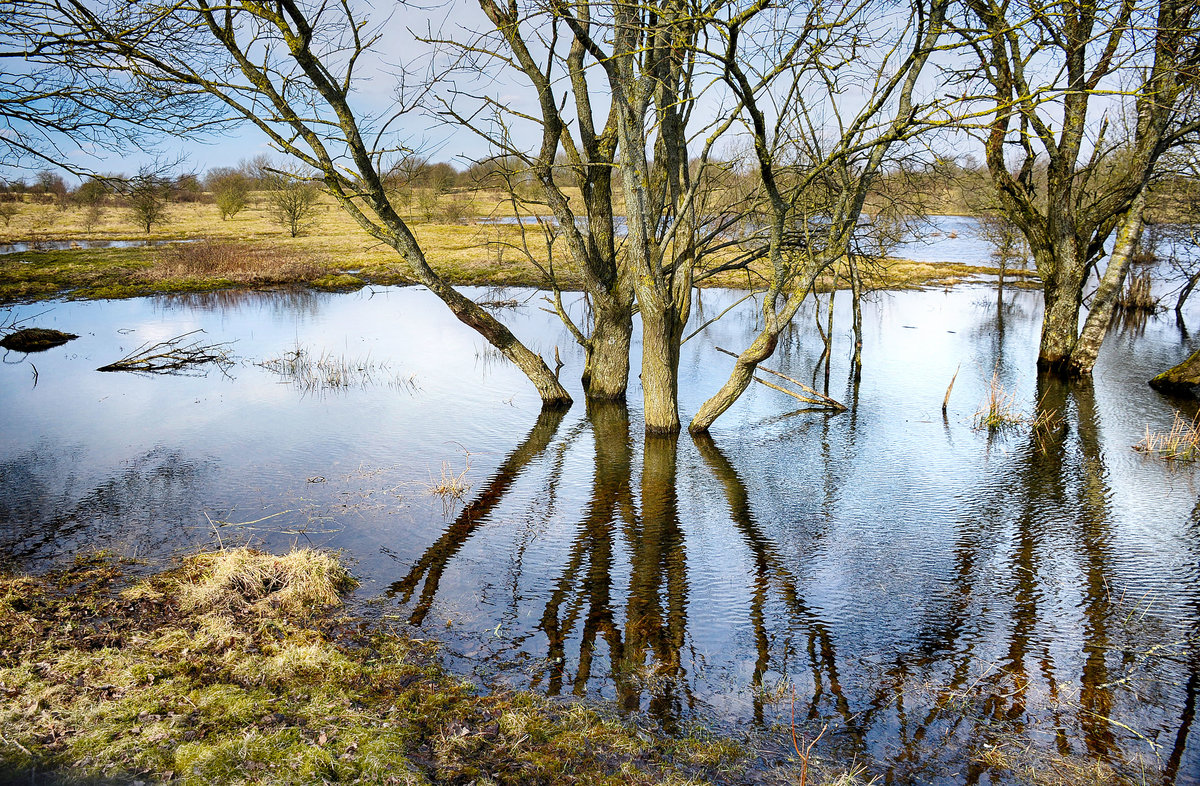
<point x="692" y="335"/>
<point x="172" y="356"/>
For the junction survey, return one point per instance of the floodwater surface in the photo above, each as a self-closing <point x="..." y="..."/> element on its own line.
<point x="938" y="596"/>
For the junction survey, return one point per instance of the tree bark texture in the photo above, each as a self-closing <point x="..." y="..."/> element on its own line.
<point x="1180" y="378"/>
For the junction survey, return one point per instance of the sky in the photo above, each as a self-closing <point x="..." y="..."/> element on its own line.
<point x="399" y="25"/>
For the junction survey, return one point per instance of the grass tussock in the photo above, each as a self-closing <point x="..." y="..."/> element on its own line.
<point x="451" y="485"/>
<point x="1180" y="443"/>
<point x="220" y="672"/>
<point x="240" y="580"/>
<point x="240" y="263"/>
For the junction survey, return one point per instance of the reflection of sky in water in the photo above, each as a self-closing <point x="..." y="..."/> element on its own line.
<point x="873" y="558"/>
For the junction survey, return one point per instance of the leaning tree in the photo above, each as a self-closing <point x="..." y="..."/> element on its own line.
<point x="818" y="151"/>
<point x="292" y="69"/>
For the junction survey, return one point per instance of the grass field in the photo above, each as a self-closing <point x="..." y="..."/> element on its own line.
<point x="250" y="250"/>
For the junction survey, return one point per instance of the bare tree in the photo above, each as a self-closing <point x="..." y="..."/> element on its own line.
<point x="1067" y="173"/>
<point x="816" y="175"/>
<point x="291" y="199"/>
<point x="290" y="68"/>
<point x="62" y="99"/>
<point x="146" y="197"/>
<point x="577" y="147"/>
<point x="649" y="55"/>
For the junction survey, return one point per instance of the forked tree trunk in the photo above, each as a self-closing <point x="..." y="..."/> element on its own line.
<point x="1062" y="294"/>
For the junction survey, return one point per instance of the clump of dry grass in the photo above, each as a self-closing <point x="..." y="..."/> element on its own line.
<point x="236" y="580"/>
<point x="999" y="408"/>
<point x="1138" y="294"/>
<point x="243" y="263"/>
<point x="451" y="486"/>
<point x="328" y="371"/>
<point x="1180" y="443"/>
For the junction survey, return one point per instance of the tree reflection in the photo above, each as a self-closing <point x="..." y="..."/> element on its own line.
<point x="1022" y="644"/>
<point x="49" y="508"/>
<point x="433" y="563"/>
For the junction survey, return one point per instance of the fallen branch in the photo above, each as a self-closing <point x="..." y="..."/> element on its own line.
<point x="173" y="356"/>
<point x="817" y="398"/>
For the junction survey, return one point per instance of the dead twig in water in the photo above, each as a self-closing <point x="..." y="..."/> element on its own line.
<point x="819" y="399"/>
<point x="946" y="400"/>
<point x="173" y="356"/>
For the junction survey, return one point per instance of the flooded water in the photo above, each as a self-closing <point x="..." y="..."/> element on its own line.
<point x="934" y="594"/>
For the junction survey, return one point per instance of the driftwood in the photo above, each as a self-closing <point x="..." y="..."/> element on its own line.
<point x="173" y="356"/>
<point x="813" y="397"/>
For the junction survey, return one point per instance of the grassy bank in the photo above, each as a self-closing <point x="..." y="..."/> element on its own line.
<point x="236" y="667"/>
<point x="201" y="252"/>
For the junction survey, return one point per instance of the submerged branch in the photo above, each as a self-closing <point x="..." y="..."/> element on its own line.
<point x="816" y="396"/>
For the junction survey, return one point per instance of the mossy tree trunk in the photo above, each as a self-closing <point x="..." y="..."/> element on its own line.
<point x="1181" y="377"/>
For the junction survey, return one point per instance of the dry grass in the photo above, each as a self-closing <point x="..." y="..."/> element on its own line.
<point x="1138" y="294"/>
<point x="250" y="249"/>
<point x="237" y="580"/>
<point x="241" y="263"/>
<point x="451" y="486"/>
<point x="1180" y="443"/>
<point x="999" y="408"/>
<point x="103" y="686"/>
<point x="328" y="371"/>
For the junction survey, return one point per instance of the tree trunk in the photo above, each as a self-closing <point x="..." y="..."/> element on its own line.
<point x="551" y="391"/>
<point x="762" y="348"/>
<point x="661" y="336"/>
<point x="1180" y="378"/>
<point x="1104" y="301"/>
<point x="606" y="367"/>
<point x="735" y="386"/>
<point x="1062" y="294"/>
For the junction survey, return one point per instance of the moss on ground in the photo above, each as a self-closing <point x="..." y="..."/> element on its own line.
<point x="235" y="668"/>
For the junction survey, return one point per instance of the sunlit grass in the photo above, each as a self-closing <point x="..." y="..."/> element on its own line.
<point x="999" y="408"/>
<point x="250" y="249"/>
<point x="451" y="486"/>
<point x="218" y="672"/>
<point x="1180" y="443"/>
